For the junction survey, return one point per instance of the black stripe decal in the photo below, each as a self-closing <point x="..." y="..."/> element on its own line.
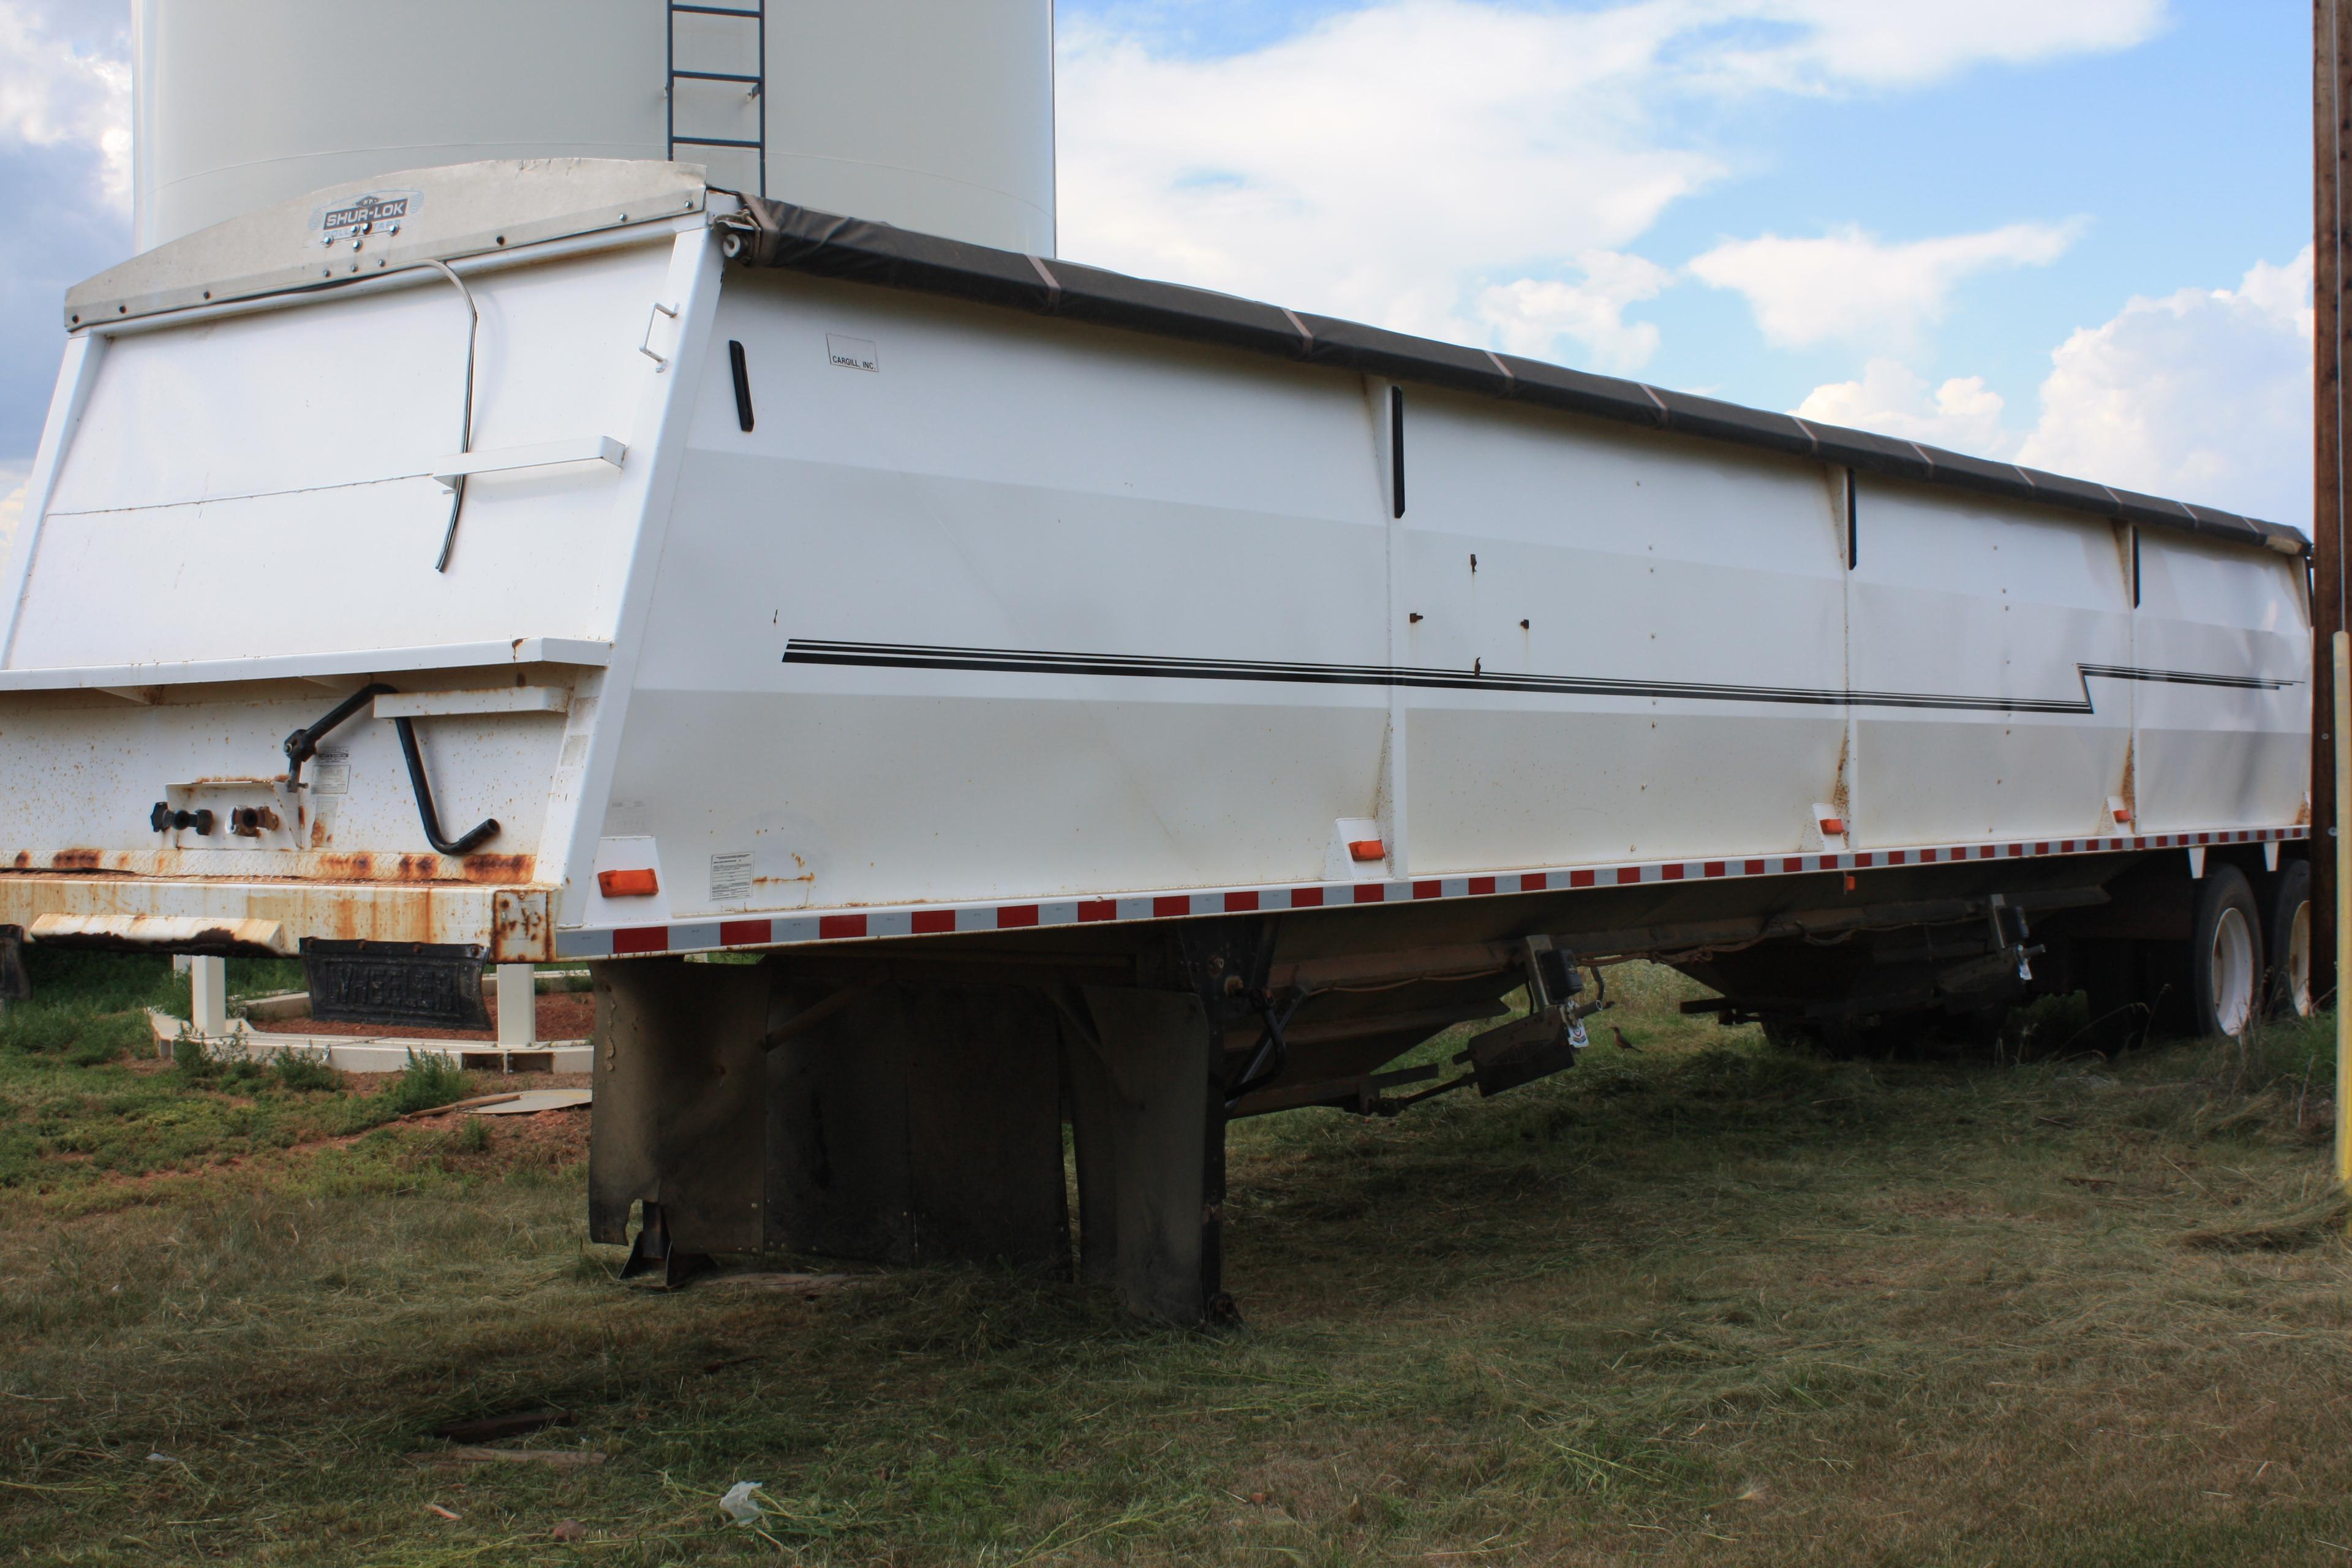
<point x="1030" y="661"/>
<point x="2185" y="677"/>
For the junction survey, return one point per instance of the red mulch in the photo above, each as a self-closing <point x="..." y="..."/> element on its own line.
<point x="562" y="1016"/>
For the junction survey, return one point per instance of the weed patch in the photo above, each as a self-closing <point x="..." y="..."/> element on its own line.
<point x="426" y="1083"/>
<point x="306" y="1075"/>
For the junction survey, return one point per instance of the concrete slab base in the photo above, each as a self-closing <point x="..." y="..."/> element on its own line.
<point x="379" y="1053"/>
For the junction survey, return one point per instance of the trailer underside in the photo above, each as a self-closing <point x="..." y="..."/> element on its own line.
<point x="904" y="1101"/>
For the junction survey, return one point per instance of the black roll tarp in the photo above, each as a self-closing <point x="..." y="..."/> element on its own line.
<point x="800" y="239"/>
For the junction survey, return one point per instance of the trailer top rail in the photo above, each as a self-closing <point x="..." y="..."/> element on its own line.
<point x="777" y="234"/>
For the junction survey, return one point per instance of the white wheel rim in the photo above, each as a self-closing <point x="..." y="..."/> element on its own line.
<point x="2298" y="960"/>
<point x="2233" y="961"/>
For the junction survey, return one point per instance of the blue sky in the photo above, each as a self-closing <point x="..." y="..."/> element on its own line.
<point x="2187" y="156"/>
<point x="2065" y="232"/>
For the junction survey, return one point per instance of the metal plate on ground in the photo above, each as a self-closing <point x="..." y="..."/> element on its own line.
<point x="531" y="1101"/>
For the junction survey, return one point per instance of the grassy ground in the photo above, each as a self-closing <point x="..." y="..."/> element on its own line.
<point x="90" y="1118"/>
<point x="1699" y="1301"/>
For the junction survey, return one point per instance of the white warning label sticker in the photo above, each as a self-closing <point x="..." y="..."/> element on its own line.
<point x="730" y="878"/>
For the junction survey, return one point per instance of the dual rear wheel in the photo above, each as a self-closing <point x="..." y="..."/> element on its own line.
<point x="2287" y="941"/>
<point x="2250" y="955"/>
<point x="2225" y="954"/>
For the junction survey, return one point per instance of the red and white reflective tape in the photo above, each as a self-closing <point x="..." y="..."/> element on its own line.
<point x="943" y="919"/>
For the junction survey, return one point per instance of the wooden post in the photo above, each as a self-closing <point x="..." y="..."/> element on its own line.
<point x="2340" y="667"/>
<point x="2331" y="147"/>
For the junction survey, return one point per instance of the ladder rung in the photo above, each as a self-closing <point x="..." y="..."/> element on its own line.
<point x="712" y="11"/>
<point x="709" y="75"/>
<point x="709" y="142"/>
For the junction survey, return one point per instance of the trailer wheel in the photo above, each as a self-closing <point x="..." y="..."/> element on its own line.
<point x="2286" y="938"/>
<point x="2225" y="954"/>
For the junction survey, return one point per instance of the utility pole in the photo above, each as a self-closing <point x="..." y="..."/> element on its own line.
<point x="2331" y="100"/>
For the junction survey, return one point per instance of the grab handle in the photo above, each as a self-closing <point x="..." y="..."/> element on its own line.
<point x="647" y="346"/>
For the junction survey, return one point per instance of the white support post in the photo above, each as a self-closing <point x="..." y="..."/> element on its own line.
<point x="208" y="990"/>
<point x="518" y="1005"/>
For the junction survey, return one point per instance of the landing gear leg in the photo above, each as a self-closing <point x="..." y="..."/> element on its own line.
<point x="652" y="1253"/>
<point x="1148" y="1104"/>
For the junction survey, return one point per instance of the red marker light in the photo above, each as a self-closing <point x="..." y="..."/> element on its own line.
<point x="1368" y="849"/>
<point x="638" y="884"/>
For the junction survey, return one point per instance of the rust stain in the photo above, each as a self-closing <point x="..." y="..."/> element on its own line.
<point x="519" y="926"/>
<point x="23" y="858"/>
<point x="77" y="860"/>
<point x="498" y="867"/>
<point x="362" y="866"/>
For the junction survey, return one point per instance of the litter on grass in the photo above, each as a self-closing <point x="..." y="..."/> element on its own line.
<point x="740" y="1505"/>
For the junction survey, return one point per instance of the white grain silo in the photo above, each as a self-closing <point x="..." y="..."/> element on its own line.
<point x="931" y="114"/>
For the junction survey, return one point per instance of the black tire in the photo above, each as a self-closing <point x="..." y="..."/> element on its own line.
<point x="2286" y="939"/>
<point x="2225" y="954"/>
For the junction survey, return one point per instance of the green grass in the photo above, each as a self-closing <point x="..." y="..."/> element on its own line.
<point x="88" y="1116"/>
<point x="1698" y="1301"/>
<point x="425" y="1083"/>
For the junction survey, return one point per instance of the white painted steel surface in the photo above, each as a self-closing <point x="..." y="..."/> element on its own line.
<point x="1950" y="594"/>
<point x="931" y="114"/>
<point x="999" y="621"/>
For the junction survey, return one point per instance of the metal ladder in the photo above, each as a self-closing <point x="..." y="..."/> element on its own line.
<point x="756" y="13"/>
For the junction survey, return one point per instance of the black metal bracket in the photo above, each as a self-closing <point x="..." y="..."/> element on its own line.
<point x="1272" y="1057"/>
<point x="652" y="1253"/>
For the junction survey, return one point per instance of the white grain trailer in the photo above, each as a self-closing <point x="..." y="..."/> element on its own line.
<point x="1097" y="699"/>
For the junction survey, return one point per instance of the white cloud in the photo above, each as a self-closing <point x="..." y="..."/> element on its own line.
<point x="1453" y="166"/>
<point x="1529" y="317"/>
<point x="1887" y="43"/>
<point x="57" y="90"/>
<point x="1852" y="287"/>
<point x="2204" y="394"/>
<point x="1963" y="415"/>
<point x="1373" y="167"/>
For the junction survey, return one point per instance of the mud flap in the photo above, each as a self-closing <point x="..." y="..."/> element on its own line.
<point x="919" y="1124"/>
